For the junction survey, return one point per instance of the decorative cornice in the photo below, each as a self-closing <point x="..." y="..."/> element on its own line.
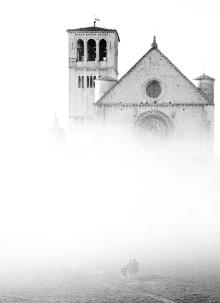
<point x="90" y="68"/>
<point x="93" y="30"/>
<point x="144" y="104"/>
<point x="93" y="69"/>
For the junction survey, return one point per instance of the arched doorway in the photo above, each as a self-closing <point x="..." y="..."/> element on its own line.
<point x="154" y="127"/>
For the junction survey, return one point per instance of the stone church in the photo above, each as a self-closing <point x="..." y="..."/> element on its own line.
<point x="154" y="99"/>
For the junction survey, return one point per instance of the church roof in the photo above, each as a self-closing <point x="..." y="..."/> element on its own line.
<point x="204" y="77"/>
<point x="94" y="29"/>
<point x="107" y="78"/>
<point x="154" y="46"/>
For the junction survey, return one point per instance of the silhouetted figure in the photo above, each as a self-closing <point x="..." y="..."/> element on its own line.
<point x="124" y="272"/>
<point x="130" y="269"/>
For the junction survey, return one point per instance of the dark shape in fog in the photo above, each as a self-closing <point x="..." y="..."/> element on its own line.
<point x="132" y="268"/>
<point x="57" y="133"/>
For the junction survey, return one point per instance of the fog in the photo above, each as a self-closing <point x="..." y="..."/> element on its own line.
<point x="99" y="199"/>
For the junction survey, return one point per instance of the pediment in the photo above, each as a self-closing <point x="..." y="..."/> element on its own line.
<point x="174" y="87"/>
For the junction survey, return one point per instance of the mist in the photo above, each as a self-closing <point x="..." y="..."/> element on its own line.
<point x="99" y="199"/>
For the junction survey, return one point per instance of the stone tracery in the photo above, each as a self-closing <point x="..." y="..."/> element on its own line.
<point x="154" y="126"/>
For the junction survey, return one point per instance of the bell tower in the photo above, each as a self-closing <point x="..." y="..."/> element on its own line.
<point x="93" y="53"/>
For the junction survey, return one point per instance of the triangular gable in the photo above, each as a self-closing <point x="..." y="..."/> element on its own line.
<point x="119" y="92"/>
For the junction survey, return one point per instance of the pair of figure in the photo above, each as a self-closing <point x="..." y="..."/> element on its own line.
<point x="130" y="269"/>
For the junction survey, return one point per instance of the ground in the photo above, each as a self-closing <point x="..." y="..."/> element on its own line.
<point x="104" y="287"/>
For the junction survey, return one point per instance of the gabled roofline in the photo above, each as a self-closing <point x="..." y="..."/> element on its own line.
<point x="119" y="81"/>
<point x="146" y="54"/>
<point x="187" y="79"/>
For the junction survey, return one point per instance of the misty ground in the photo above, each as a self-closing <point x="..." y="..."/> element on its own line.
<point x="105" y="201"/>
<point x="99" y="286"/>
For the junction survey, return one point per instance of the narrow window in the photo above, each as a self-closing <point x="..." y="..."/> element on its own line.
<point x="87" y="81"/>
<point x="80" y="50"/>
<point x="94" y="81"/>
<point x="91" y="50"/>
<point x="79" y="81"/>
<point x="91" y="80"/>
<point x="82" y="81"/>
<point x="103" y="50"/>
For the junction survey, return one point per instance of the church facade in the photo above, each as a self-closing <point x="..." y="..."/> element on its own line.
<point x="153" y="99"/>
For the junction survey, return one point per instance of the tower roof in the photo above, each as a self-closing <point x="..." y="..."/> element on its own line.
<point x="204" y="77"/>
<point x="107" y="78"/>
<point x="94" y="29"/>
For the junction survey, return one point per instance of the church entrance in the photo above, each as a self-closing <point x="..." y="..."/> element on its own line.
<point x="154" y="127"/>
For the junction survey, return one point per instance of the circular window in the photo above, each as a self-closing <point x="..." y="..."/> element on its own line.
<point x="153" y="89"/>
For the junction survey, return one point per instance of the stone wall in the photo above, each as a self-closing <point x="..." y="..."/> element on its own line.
<point x="190" y="111"/>
<point x="81" y="99"/>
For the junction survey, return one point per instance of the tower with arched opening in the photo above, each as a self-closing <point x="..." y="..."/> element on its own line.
<point x="93" y="54"/>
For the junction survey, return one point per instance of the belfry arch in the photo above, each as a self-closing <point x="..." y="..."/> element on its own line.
<point x="102" y="50"/>
<point x="80" y="50"/>
<point x="91" y="50"/>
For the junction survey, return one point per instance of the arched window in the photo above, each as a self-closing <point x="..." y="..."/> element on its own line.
<point x="80" y="50"/>
<point x="103" y="50"/>
<point x="91" y="50"/>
